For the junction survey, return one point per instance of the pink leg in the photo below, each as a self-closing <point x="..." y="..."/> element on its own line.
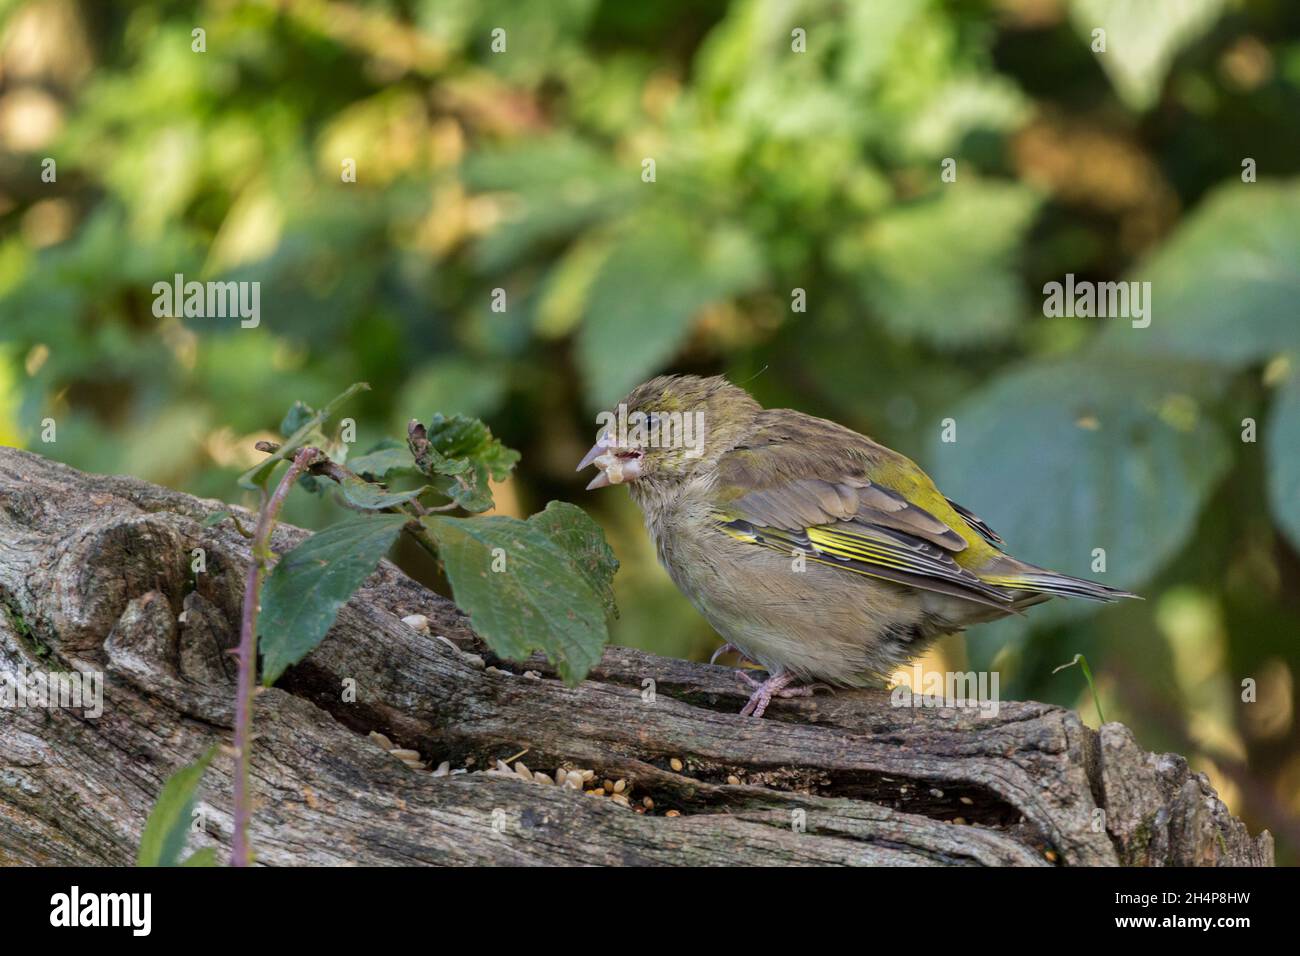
<point x="776" y="686"/>
<point x="729" y="647"/>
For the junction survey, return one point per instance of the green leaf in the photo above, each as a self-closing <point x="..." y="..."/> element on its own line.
<point x="309" y="585"/>
<point x="207" y="856"/>
<point x="215" y="518"/>
<point x="523" y="590"/>
<point x="1225" y="286"/>
<point x="1065" y="458"/>
<point x="646" y="294"/>
<point x="572" y="529"/>
<point x="1142" y="39"/>
<point x="460" y="455"/>
<point x="299" y="414"/>
<point x="942" y="268"/>
<point x="365" y="494"/>
<point x="561" y="186"/>
<point x="456" y="385"/>
<point x="168" y="825"/>
<point x="1284" y="458"/>
<point x="257" y="476"/>
<point x="462" y="441"/>
<point x="385" y="460"/>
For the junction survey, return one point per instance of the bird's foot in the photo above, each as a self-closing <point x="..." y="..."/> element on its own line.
<point x="730" y="647"/>
<point x="775" y="686"/>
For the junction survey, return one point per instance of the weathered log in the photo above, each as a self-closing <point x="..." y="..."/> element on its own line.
<point x="95" y="575"/>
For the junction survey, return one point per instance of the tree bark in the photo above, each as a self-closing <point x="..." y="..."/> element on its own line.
<point x="95" y="574"/>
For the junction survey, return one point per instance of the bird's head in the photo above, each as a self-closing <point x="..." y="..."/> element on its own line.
<point x="669" y="430"/>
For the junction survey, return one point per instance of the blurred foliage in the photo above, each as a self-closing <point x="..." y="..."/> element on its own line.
<point x="774" y="171"/>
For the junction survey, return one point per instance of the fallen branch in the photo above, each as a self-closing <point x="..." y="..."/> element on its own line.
<point x="95" y="574"/>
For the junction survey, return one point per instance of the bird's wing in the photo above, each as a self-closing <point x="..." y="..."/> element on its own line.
<point x="976" y="522"/>
<point x="805" y="484"/>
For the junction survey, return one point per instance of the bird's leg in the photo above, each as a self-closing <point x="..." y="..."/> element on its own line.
<point x="775" y="686"/>
<point x="731" y="647"/>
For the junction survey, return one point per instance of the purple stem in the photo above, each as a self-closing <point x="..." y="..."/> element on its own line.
<point x="239" y="852"/>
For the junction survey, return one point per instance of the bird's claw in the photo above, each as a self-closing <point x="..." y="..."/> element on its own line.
<point x="775" y="686"/>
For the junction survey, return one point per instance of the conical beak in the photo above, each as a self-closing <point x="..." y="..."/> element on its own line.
<point x="597" y="450"/>
<point x="613" y="470"/>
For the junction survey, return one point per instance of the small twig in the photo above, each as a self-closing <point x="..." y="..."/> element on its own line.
<point x="518" y="755"/>
<point x="261" y="559"/>
<point x="327" y="467"/>
<point x="331" y="469"/>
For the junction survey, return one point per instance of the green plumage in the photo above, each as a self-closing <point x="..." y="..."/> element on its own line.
<point x="814" y="549"/>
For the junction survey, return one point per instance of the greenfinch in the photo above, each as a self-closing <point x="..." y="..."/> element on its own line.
<point x="815" y="552"/>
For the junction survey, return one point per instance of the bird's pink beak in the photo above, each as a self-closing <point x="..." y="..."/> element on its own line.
<point x="616" y="465"/>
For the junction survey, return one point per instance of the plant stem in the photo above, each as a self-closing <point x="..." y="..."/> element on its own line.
<point x="266" y="518"/>
<point x="1087" y="675"/>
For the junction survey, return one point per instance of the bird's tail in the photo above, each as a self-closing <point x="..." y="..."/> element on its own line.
<point x="1026" y="577"/>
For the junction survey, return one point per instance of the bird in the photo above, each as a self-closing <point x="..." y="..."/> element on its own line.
<point x="820" y="555"/>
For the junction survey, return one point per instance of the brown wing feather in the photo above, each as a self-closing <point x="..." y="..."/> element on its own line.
<point x="837" y="515"/>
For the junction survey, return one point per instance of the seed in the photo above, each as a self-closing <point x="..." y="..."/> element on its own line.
<point x="936" y="793"/>
<point x="539" y="777"/>
<point x="444" y="769"/>
<point x="533" y="675"/>
<point x="476" y="662"/>
<point x="733" y="780"/>
<point x="599" y="791"/>
<point x="417" y="621"/>
<point x="968" y="801"/>
<point x="676" y="764"/>
<point x="960" y="821"/>
<point x="620" y="786"/>
<point x="380" y="739"/>
<point x="620" y="800"/>
<point x="503" y="766"/>
<point x="672" y="813"/>
<point x="588" y="776"/>
<point x="401" y="754"/>
<point x="647" y="803"/>
<point x="522" y="769"/>
<point x="1051" y="856"/>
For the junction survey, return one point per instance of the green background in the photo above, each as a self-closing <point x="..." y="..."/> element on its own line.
<point x="775" y="170"/>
